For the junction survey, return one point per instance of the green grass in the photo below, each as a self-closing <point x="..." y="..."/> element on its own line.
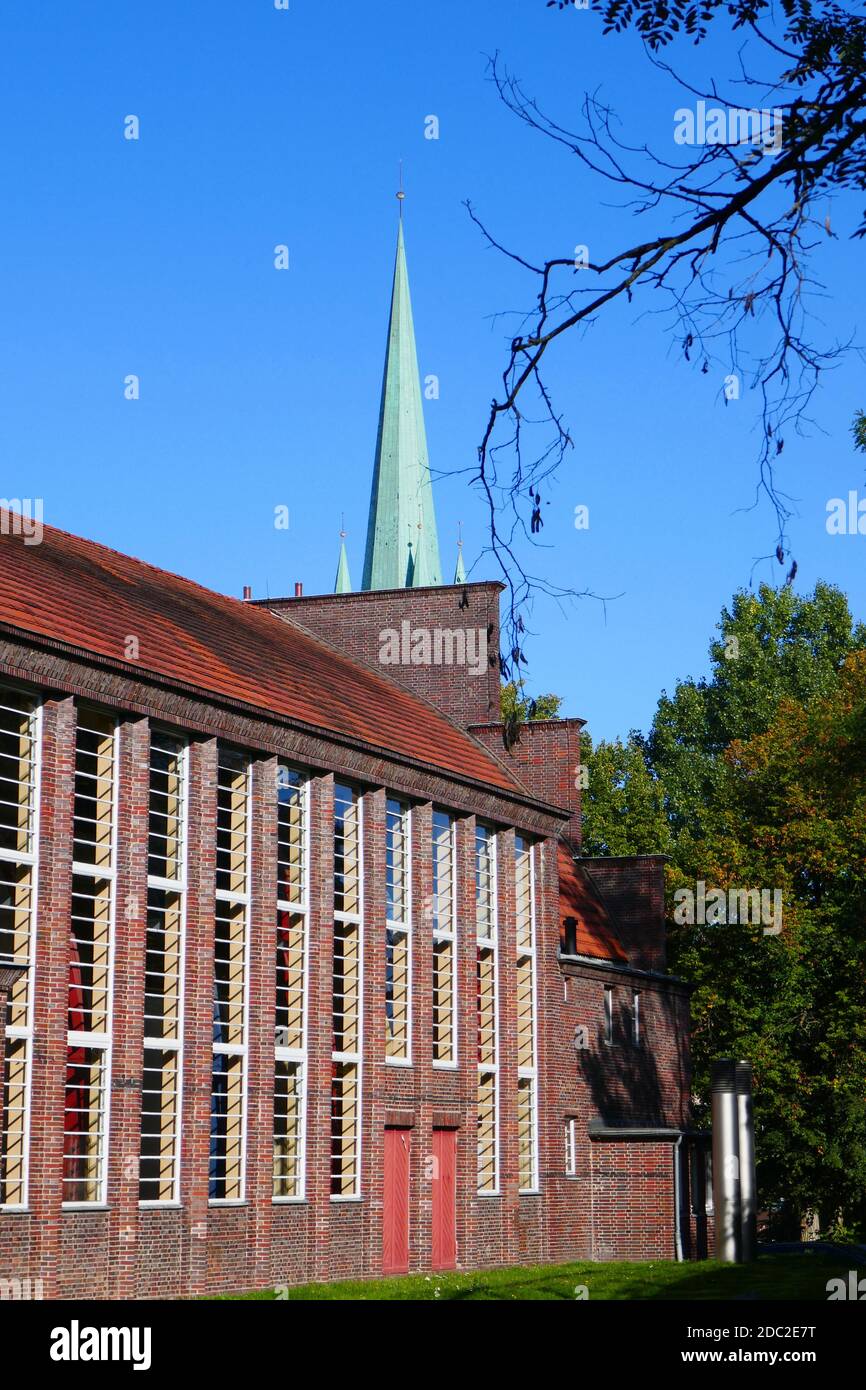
<point x="801" y="1276"/>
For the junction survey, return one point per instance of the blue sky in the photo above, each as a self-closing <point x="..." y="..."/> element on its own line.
<point x="260" y="388"/>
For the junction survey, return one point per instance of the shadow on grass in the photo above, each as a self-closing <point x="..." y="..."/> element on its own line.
<point x="772" y="1277"/>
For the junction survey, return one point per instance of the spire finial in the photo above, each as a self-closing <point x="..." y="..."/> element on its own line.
<point x="400" y="194"/>
<point x="460" y="571"/>
<point x="343" y="584"/>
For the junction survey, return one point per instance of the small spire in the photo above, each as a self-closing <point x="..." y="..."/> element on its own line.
<point x="343" y="584"/>
<point x="420" y="571"/>
<point x="400" y="193"/>
<point x="460" y="572"/>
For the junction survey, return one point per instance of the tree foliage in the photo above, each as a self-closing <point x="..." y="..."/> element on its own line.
<point x="791" y="815"/>
<point x="755" y="777"/>
<point x="516" y="705"/>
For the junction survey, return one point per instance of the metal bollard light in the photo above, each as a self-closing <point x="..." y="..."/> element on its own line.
<point x="726" y="1161"/>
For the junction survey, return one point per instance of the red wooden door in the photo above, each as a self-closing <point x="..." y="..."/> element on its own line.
<point x="395" y="1210"/>
<point x="444" y="1199"/>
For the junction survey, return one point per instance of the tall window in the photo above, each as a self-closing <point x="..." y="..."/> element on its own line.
<point x="348" y="972"/>
<point x="570" y="1147"/>
<point x="608" y="1014"/>
<point x="159" y="1169"/>
<point x="290" y="1072"/>
<point x="527" y="1040"/>
<point x="444" y="942"/>
<point x="488" y="1009"/>
<point x="19" y="792"/>
<point x="398" y="943"/>
<point x="91" y="965"/>
<point x="231" y="966"/>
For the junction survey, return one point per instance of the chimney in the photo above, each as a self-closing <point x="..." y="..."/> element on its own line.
<point x="299" y="590"/>
<point x="248" y="593"/>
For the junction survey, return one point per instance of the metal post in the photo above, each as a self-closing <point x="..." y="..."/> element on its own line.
<point x="726" y="1161"/>
<point x="748" y="1185"/>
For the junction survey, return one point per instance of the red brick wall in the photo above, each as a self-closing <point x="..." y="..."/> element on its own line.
<point x="634" y="890"/>
<point x="546" y="761"/>
<point x="354" y="623"/>
<point x="200" y="1248"/>
<point x="617" y="1084"/>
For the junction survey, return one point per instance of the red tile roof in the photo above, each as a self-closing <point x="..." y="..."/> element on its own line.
<point x="579" y="899"/>
<point x="90" y="597"/>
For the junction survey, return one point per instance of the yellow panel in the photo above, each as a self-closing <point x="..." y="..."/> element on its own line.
<point x="290" y="980"/>
<point x="486" y="975"/>
<point x="397" y="996"/>
<point x="443" y="1001"/>
<point x="486" y="1132"/>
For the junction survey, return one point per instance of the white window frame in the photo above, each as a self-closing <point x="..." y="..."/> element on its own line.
<point x="403" y="929"/>
<point x="101" y="1042"/>
<point x="636" y="1019"/>
<point x="353" y="1058"/>
<point x="180" y="887"/>
<point x="449" y="935"/>
<point x="238" y="1049"/>
<point x="26" y="1032"/>
<point x="491" y="943"/>
<point x="300" y="1056"/>
<point x="608" y="1015"/>
<point x="570" y="1147"/>
<point x="531" y="952"/>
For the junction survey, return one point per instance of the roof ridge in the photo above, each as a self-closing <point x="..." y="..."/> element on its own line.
<point x="80" y="592"/>
<point x="147" y="564"/>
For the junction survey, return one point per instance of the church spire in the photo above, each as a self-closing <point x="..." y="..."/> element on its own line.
<point x="460" y="571"/>
<point x="343" y="584"/>
<point x="397" y="549"/>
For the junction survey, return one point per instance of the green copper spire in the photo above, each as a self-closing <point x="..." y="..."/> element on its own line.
<point x="343" y="584"/>
<point x="398" y="554"/>
<point x="460" y="572"/>
<point x="420" y="573"/>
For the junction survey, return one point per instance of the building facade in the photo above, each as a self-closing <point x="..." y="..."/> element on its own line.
<point x="302" y="974"/>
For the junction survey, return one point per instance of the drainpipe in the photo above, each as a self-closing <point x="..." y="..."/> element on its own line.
<point x="726" y="1161"/>
<point x="748" y="1184"/>
<point x="678" y="1227"/>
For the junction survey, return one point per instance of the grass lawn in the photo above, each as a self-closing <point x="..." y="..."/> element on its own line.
<point x="801" y="1276"/>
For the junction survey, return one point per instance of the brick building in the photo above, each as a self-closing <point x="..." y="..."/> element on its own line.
<point x="304" y="977"/>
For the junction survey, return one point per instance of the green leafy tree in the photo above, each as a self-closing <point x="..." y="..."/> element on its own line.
<point x="772" y="644"/>
<point x="756" y="777"/>
<point x="515" y="705"/>
<point x="791" y="815"/>
<point x="622" y="803"/>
